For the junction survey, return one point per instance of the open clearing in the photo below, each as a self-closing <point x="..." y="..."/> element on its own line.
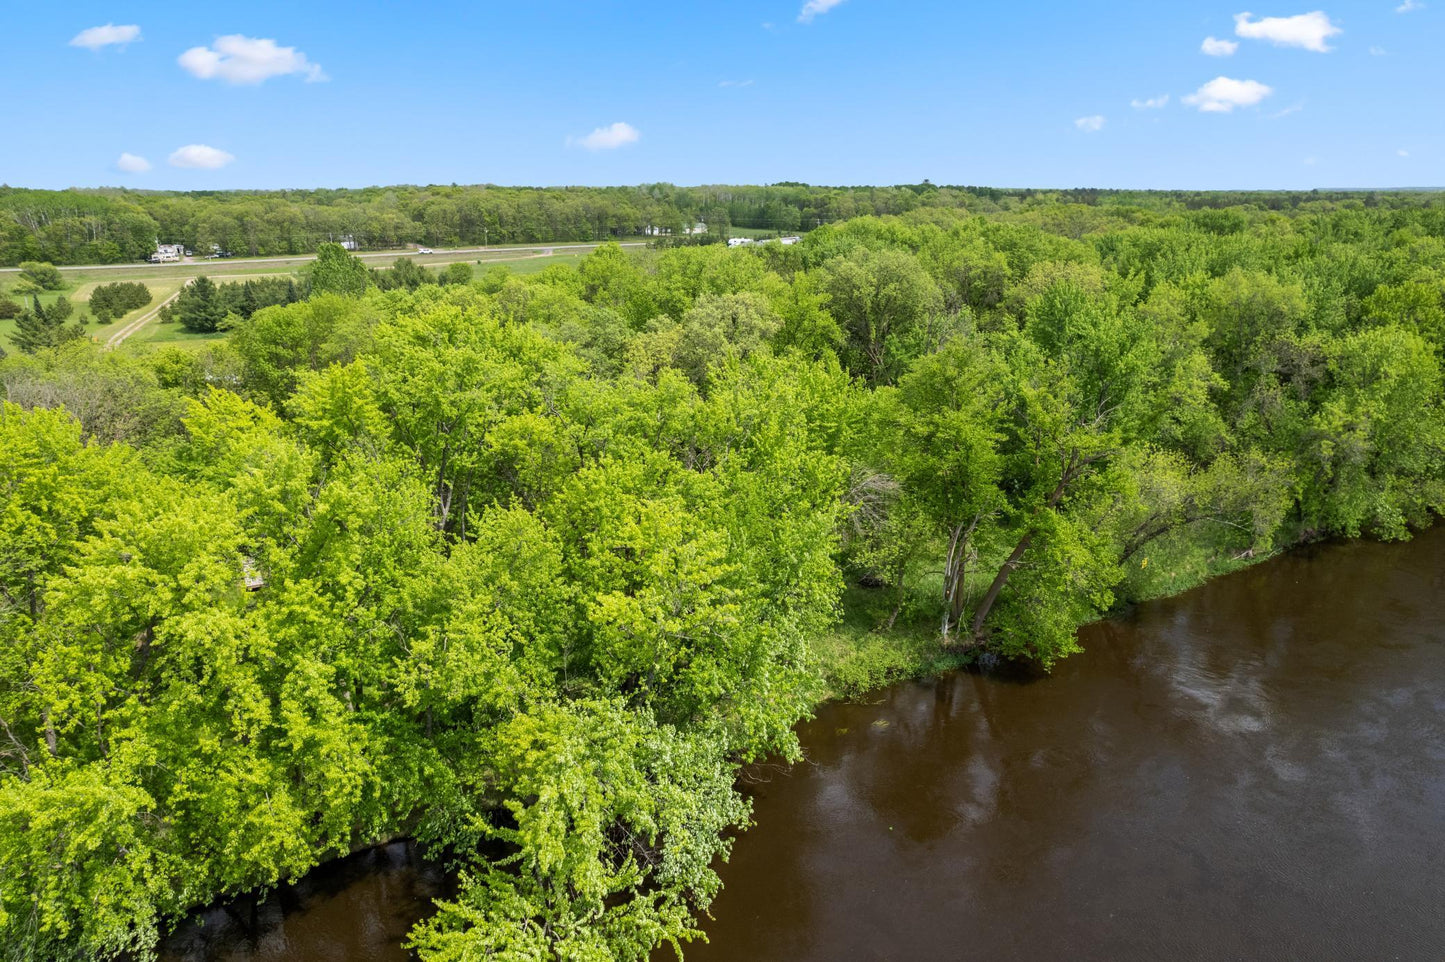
<point x="141" y="327"/>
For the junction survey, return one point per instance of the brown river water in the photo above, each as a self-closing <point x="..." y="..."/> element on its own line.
<point x="1252" y="770"/>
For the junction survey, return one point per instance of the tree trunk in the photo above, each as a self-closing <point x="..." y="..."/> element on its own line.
<point x="51" y="742"/>
<point x="954" y="572"/>
<point x="999" y="580"/>
<point x="1070" y="472"/>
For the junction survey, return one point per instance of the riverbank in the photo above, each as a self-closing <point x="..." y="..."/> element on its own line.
<point x="1149" y="788"/>
<point x="861" y="655"/>
<point x="1251" y="769"/>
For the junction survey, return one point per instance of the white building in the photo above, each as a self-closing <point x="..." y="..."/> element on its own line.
<point x="789" y="241"/>
<point x="740" y="242"/>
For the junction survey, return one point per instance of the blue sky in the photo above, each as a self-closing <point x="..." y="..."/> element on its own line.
<point x="1049" y="94"/>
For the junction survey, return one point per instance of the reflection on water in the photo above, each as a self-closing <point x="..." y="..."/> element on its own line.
<point x="360" y="908"/>
<point x="1254" y="770"/>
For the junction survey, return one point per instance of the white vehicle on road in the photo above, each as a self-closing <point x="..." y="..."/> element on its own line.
<point x="425" y="250"/>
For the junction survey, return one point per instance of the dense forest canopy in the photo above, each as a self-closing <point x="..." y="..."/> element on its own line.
<point x="526" y="567"/>
<point x="118" y="225"/>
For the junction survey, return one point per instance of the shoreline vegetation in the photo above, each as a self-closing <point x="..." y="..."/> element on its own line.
<point x="526" y="566"/>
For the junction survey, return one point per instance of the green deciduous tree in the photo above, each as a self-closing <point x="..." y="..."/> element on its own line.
<point x="337" y="272"/>
<point x="41" y="276"/>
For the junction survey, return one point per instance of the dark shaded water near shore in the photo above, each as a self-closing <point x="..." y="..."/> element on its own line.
<point x="1253" y="770"/>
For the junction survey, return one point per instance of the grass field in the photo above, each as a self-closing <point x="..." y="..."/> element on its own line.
<point x="78" y="289"/>
<point x="165" y="280"/>
<point x="155" y="336"/>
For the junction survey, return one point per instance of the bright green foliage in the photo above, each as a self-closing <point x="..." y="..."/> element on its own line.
<point x="276" y="346"/>
<point x="405" y="274"/>
<point x="1377" y="444"/>
<point x="336" y="272"/>
<point x="40" y="276"/>
<point x="889" y="307"/>
<point x="525" y="568"/>
<point x="458" y="273"/>
<point x="719" y="326"/>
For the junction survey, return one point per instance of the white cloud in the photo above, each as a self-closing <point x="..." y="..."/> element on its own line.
<point x="1310" y="31"/>
<point x="131" y="164"/>
<point x="735" y="83"/>
<point x="1218" y="48"/>
<point x="1221" y="95"/>
<point x="200" y="157"/>
<point x="608" y="138"/>
<point x="1287" y="111"/>
<point x="96" y="37"/>
<point x="237" y="59"/>
<point x="1403" y="153"/>
<point x="1410" y="6"/>
<point x="1090" y="125"/>
<point x="1152" y="103"/>
<point x="1379" y="52"/>
<point x="814" y="7"/>
<point x="1311" y="161"/>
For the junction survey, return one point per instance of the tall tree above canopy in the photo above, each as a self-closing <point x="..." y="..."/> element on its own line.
<point x="889" y="307"/>
<point x="337" y="272"/>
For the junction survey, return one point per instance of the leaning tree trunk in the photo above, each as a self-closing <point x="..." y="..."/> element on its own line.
<point x="1071" y="473"/>
<point x="999" y="580"/>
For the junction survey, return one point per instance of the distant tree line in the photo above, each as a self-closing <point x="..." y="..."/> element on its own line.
<point x="115" y="225"/>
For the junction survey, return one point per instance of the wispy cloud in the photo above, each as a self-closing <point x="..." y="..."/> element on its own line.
<point x="94" y="38"/>
<point x="132" y="164"/>
<point x="238" y="59"/>
<point x="200" y="157"/>
<point x="735" y="83"/>
<point x="1092" y="124"/>
<point x="1218" y="48"/>
<point x="813" y="8"/>
<point x="1152" y="103"/>
<point x="608" y="138"/>
<point x="1310" y="31"/>
<point x="1379" y="52"/>
<point x="1287" y="111"/>
<point x="1410" y="6"/>
<point x="1222" y="94"/>
<point x="1402" y="152"/>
